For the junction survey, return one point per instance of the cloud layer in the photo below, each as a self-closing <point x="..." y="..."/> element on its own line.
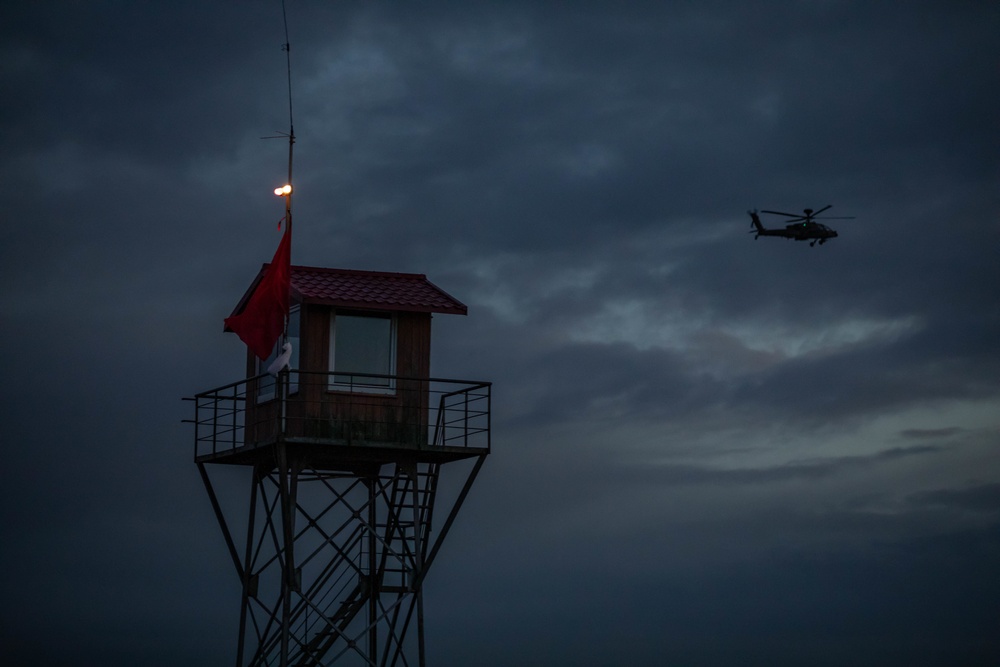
<point x="708" y="449"/>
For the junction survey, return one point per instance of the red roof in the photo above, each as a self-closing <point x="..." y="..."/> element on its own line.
<point x="374" y="290"/>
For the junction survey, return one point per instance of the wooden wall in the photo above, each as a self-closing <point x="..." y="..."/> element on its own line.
<point x="319" y="412"/>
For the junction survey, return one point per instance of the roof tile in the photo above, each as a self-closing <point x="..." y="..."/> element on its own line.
<point x="349" y="288"/>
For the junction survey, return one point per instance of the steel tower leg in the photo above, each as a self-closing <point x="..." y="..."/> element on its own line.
<point x="287" y="486"/>
<point x="249" y="580"/>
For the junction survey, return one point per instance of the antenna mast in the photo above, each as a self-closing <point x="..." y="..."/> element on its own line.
<point x="287" y="48"/>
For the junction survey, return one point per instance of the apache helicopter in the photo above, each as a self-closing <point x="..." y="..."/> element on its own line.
<point x="801" y="228"/>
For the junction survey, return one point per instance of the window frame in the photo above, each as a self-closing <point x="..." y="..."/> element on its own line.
<point x="389" y="388"/>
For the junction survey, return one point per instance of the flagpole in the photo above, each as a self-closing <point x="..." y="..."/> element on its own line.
<point x="287" y="511"/>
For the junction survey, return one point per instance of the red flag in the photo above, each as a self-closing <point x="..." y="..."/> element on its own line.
<point x="263" y="319"/>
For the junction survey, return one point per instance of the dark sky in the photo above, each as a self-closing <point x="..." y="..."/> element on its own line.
<point x="707" y="450"/>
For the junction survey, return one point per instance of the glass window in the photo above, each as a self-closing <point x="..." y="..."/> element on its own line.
<point x="362" y="344"/>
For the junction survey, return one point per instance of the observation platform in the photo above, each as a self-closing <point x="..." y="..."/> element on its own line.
<point x="342" y="421"/>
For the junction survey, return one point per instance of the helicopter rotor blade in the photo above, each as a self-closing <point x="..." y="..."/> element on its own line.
<point x="815" y="213"/>
<point x="790" y="215"/>
<point x="845" y="217"/>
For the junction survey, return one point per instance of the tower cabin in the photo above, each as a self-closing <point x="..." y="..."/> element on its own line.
<point x="358" y="388"/>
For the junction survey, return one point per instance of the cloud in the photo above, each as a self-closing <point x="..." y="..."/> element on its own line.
<point x="980" y="498"/>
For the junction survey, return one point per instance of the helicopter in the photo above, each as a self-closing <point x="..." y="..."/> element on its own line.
<point x="801" y="228"/>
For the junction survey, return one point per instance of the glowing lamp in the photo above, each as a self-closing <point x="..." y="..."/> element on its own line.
<point x="284" y="190"/>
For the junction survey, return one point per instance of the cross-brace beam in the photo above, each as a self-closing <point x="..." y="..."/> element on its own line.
<point x="334" y="560"/>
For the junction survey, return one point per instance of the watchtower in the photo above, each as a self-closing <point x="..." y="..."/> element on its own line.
<point x="343" y="450"/>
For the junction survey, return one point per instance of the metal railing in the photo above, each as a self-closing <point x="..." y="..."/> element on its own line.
<point x="342" y="409"/>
